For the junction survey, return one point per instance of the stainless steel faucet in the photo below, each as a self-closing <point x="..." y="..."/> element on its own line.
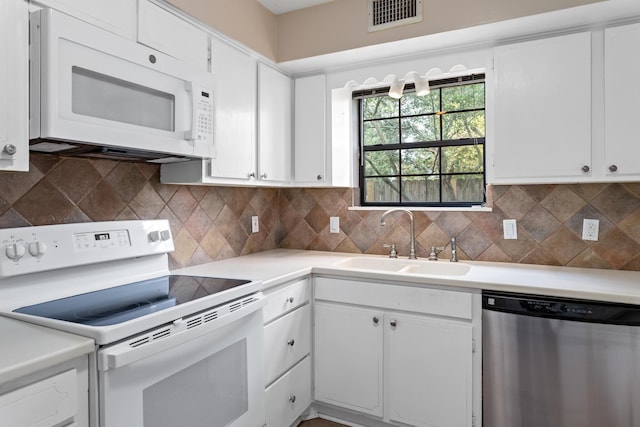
<point x="412" y="233"/>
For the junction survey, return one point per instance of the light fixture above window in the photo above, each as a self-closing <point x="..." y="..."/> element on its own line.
<point x="396" y="89"/>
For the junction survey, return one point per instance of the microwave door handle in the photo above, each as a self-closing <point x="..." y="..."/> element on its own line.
<point x="190" y="135"/>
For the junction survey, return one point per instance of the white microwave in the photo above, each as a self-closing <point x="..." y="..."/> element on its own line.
<point x="96" y="94"/>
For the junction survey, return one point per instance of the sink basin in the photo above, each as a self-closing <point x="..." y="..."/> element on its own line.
<point x="439" y="268"/>
<point x="373" y="263"/>
<point x="403" y="265"/>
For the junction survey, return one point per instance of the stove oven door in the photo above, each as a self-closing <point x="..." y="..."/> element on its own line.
<point x="208" y="373"/>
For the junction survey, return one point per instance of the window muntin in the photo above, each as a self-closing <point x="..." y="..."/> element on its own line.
<point x="424" y="151"/>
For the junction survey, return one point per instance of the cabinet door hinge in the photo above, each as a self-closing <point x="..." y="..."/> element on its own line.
<point x="473" y="421"/>
<point x="473" y="345"/>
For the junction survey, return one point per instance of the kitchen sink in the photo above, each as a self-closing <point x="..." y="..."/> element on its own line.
<point x="440" y="268"/>
<point x="373" y="263"/>
<point x="405" y="266"/>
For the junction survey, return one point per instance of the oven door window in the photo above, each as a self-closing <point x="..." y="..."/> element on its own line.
<point x="182" y="398"/>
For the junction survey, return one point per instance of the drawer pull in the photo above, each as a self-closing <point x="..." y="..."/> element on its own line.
<point x="292" y="398"/>
<point x="291" y="342"/>
<point x="375" y="320"/>
<point x="290" y="300"/>
<point x="393" y="323"/>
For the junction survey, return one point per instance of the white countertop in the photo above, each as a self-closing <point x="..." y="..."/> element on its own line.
<point x="29" y="348"/>
<point x="282" y="265"/>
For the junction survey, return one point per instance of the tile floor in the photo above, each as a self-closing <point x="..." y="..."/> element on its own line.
<point x="319" y="422"/>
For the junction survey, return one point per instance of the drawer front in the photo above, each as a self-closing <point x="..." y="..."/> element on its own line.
<point x="286" y="341"/>
<point x="285" y="299"/>
<point x="287" y="398"/>
<point x="417" y="299"/>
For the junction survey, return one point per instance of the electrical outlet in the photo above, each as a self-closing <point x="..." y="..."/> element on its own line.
<point x="510" y="228"/>
<point x="334" y="224"/>
<point x="255" y="224"/>
<point x="590" y="229"/>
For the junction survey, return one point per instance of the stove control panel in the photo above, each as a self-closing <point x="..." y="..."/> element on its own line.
<point x="28" y="250"/>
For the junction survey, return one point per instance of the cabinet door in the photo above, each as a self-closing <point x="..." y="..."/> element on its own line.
<point x="621" y="100"/>
<point x="310" y="130"/>
<point x="543" y="111"/>
<point x="162" y="30"/>
<point x="274" y="125"/>
<point x="116" y="16"/>
<point x="348" y="357"/>
<point x="14" y="85"/>
<point x="235" y="96"/>
<point x="429" y="371"/>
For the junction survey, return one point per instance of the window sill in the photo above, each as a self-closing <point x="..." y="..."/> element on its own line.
<point x="421" y="208"/>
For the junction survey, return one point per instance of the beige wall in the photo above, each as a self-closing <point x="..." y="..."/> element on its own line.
<point x="342" y="24"/>
<point x="245" y="21"/>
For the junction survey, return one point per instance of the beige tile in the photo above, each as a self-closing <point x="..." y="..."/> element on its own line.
<point x="563" y="203"/>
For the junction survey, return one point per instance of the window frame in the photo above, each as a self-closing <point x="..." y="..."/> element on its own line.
<point x="435" y="84"/>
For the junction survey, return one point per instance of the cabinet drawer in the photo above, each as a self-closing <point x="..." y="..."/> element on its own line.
<point x="288" y="397"/>
<point x="45" y="403"/>
<point x="285" y="299"/>
<point x="439" y="302"/>
<point x="286" y="341"/>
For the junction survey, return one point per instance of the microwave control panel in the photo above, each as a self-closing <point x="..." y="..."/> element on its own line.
<point x="202" y="119"/>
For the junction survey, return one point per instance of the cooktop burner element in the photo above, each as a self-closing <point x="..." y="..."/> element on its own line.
<point x="122" y="303"/>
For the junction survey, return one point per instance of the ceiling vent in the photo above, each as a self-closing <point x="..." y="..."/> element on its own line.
<point x="385" y="14"/>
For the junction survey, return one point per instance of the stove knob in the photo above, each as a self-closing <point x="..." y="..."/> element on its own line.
<point x="165" y="235"/>
<point x="15" y="251"/>
<point x="154" y="236"/>
<point x="37" y="249"/>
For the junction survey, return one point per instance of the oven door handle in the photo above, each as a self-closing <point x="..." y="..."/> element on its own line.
<point x="137" y="348"/>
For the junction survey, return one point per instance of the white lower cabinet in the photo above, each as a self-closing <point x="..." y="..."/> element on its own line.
<point x="287" y="353"/>
<point x="405" y="368"/>
<point x="289" y="396"/>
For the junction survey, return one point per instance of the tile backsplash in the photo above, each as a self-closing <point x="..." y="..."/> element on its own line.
<point x="210" y="223"/>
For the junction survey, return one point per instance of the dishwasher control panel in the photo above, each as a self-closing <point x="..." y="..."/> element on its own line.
<point x="562" y="308"/>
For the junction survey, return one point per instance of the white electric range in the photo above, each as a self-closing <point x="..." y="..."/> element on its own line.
<point x="171" y="349"/>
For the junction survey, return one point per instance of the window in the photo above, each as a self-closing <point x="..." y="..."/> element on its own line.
<point x="423" y="150"/>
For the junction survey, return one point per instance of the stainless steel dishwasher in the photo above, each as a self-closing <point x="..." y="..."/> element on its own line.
<point x="554" y="362"/>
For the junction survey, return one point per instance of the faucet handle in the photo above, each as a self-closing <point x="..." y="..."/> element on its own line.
<point x="435" y="250"/>
<point x="393" y="253"/>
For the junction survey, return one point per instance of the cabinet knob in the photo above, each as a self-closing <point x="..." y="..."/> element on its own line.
<point x="613" y="168"/>
<point x="251" y="174"/>
<point x="292" y="398"/>
<point x="393" y="323"/>
<point x="375" y="320"/>
<point x="319" y="177"/>
<point x="10" y="149"/>
<point x="586" y="169"/>
<point x="291" y="342"/>
<point x="290" y="300"/>
<point x="264" y="176"/>
<point x="152" y="59"/>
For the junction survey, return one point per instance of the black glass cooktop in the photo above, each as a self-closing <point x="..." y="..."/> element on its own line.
<point x="121" y="303"/>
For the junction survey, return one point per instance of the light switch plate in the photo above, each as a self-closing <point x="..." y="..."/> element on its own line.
<point x="510" y="229"/>
<point x="255" y="224"/>
<point x="334" y="224"/>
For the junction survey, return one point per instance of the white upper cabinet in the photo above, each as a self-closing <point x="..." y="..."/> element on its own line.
<point x="160" y="29"/>
<point x="235" y="98"/>
<point x="622" y="102"/>
<point x="274" y="125"/>
<point x="310" y="131"/>
<point x="542" y="116"/>
<point x="116" y="16"/>
<point x="14" y="85"/>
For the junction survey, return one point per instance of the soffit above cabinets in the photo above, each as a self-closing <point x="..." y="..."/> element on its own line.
<point x="283" y="6"/>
